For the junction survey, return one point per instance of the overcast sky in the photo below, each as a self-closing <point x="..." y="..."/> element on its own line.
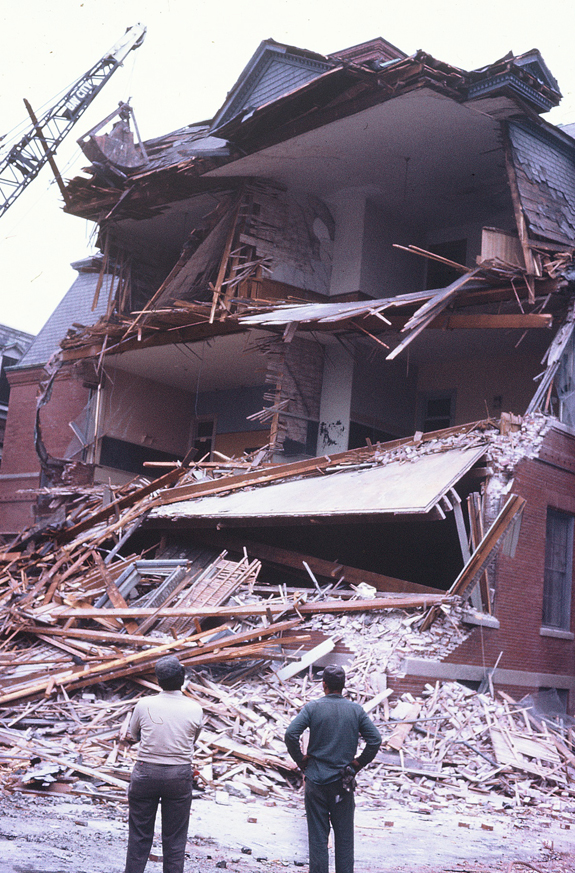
<point x="192" y="55"/>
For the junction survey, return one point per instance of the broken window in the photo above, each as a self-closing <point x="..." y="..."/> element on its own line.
<point x="558" y="570"/>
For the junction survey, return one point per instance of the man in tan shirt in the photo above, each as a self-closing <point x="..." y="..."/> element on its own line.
<point x="166" y="725"/>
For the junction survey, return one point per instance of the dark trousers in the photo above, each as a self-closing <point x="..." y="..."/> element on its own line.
<point x="150" y="784"/>
<point x="325" y="805"/>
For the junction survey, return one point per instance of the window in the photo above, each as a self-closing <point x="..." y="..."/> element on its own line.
<point x="437" y="411"/>
<point x="558" y="570"/>
<point x="4" y="386"/>
<point x="204" y="439"/>
<point x="130" y="457"/>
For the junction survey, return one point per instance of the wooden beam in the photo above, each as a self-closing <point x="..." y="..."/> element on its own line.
<point x="483" y="552"/>
<point x="478" y="561"/>
<point x="522" y="230"/>
<point x="394" y="602"/>
<point x="512" y="321"/>
<point x="122" y="503"/>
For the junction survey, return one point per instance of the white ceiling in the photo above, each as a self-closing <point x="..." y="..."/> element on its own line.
<point x="226" y="361"/>
<point x="422" y="154"/>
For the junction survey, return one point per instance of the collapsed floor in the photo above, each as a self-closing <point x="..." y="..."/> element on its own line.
<point x="83" y="622"/>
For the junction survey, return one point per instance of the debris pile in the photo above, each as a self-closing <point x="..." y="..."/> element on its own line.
<point x="449" y="747"/>
<point x="83" y="624"/>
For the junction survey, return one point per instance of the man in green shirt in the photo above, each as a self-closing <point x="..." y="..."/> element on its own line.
<point x="335" y="726"/>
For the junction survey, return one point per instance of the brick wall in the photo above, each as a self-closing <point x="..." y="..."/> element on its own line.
<point x="302" y="370"/>
<point x="546" y="481"/>
<point x="20" y="465"/>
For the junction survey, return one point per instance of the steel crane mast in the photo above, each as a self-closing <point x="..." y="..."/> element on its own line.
<point x="24" y="160"/>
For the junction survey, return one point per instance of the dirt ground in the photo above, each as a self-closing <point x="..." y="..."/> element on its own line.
<point x="79" y="834"/>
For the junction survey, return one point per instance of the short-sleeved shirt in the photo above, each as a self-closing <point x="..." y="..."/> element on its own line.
<point x="167" y="725"/>
<point x="335" y="726"/>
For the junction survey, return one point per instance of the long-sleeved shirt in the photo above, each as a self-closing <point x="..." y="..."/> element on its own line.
<point x="335" y="726"/>
<point x="167" y="725"/>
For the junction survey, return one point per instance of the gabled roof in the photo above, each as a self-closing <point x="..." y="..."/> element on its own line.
<point x="274" y="69"/>
<point x="376" y="52"/>
<point x="526" y="75"/>
<point x="13" y="342"/>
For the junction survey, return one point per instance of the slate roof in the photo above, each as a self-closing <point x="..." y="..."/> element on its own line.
<point x="75" y="307"/>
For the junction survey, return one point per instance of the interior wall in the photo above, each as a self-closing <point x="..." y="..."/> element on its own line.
<point x="384" y="394"/>
<point x="294" y="231"/>
<point x="230" y="408"/>
<point x="144" y="412"/>
<point x="235" y="444"/>
<point x="483" y="386"/>
<point x="385" y="270"/>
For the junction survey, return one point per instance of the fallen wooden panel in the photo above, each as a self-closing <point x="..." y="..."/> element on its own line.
<point x="213" y="588"/>
<point x="399" y="487"/>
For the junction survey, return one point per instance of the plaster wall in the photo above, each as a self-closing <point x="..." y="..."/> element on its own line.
<point x="350" y="209"/>
<point x="335" y="407"/>
<point x="144" y="412"/>
<point x="385" y="270"/>
<point x="478" y="381"/>
<point x="384" y="394"/>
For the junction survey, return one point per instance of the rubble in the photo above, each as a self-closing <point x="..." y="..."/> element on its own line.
<point x="82" y="626"/>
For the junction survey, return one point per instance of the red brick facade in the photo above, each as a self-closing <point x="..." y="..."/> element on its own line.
<point x="20" y="465"/>
<point x="548" y="481"/>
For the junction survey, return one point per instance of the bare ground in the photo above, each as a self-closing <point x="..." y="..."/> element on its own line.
<point x="76" y="834"/>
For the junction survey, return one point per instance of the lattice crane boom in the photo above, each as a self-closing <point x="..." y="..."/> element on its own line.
<point x="24" y="160"/>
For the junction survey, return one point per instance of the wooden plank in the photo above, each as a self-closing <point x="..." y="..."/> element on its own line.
<point x="144" y="661"/>
<point x="513" y="506"/>
<point x="522" y="230"/>
<point x="379" y="698"/>
<point x="474" y="513"/>
<point x="397" y="739"/>
<point x="482" y="554"/>
<point x="511" y="321"/>
<point x="309" y="658"/>
<point x="112" y="590"/>
<point x="8" y="737"/>
<point x="397" y="602"/>
<point x="426" y="313"/>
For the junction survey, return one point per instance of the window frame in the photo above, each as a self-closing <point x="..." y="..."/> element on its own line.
<point x="558" y="570"/>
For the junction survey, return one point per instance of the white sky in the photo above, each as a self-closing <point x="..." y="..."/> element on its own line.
<point x="192" y="55"/>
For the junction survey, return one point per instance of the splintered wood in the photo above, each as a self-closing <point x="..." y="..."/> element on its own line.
<point x="83" y="621"/>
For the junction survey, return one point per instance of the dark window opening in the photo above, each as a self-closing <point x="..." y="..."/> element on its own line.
<point x="122" y="455"/>
<point x="558" y="570"/>
<point x="204" y="439"/>
<point x="441" y="275"/>
<point x="311" y="438"/>
<point x="437" y="412"/>
<point x="4" y="385"/>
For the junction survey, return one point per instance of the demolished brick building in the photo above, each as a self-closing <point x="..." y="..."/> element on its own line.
<point x="346" y="283"/>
